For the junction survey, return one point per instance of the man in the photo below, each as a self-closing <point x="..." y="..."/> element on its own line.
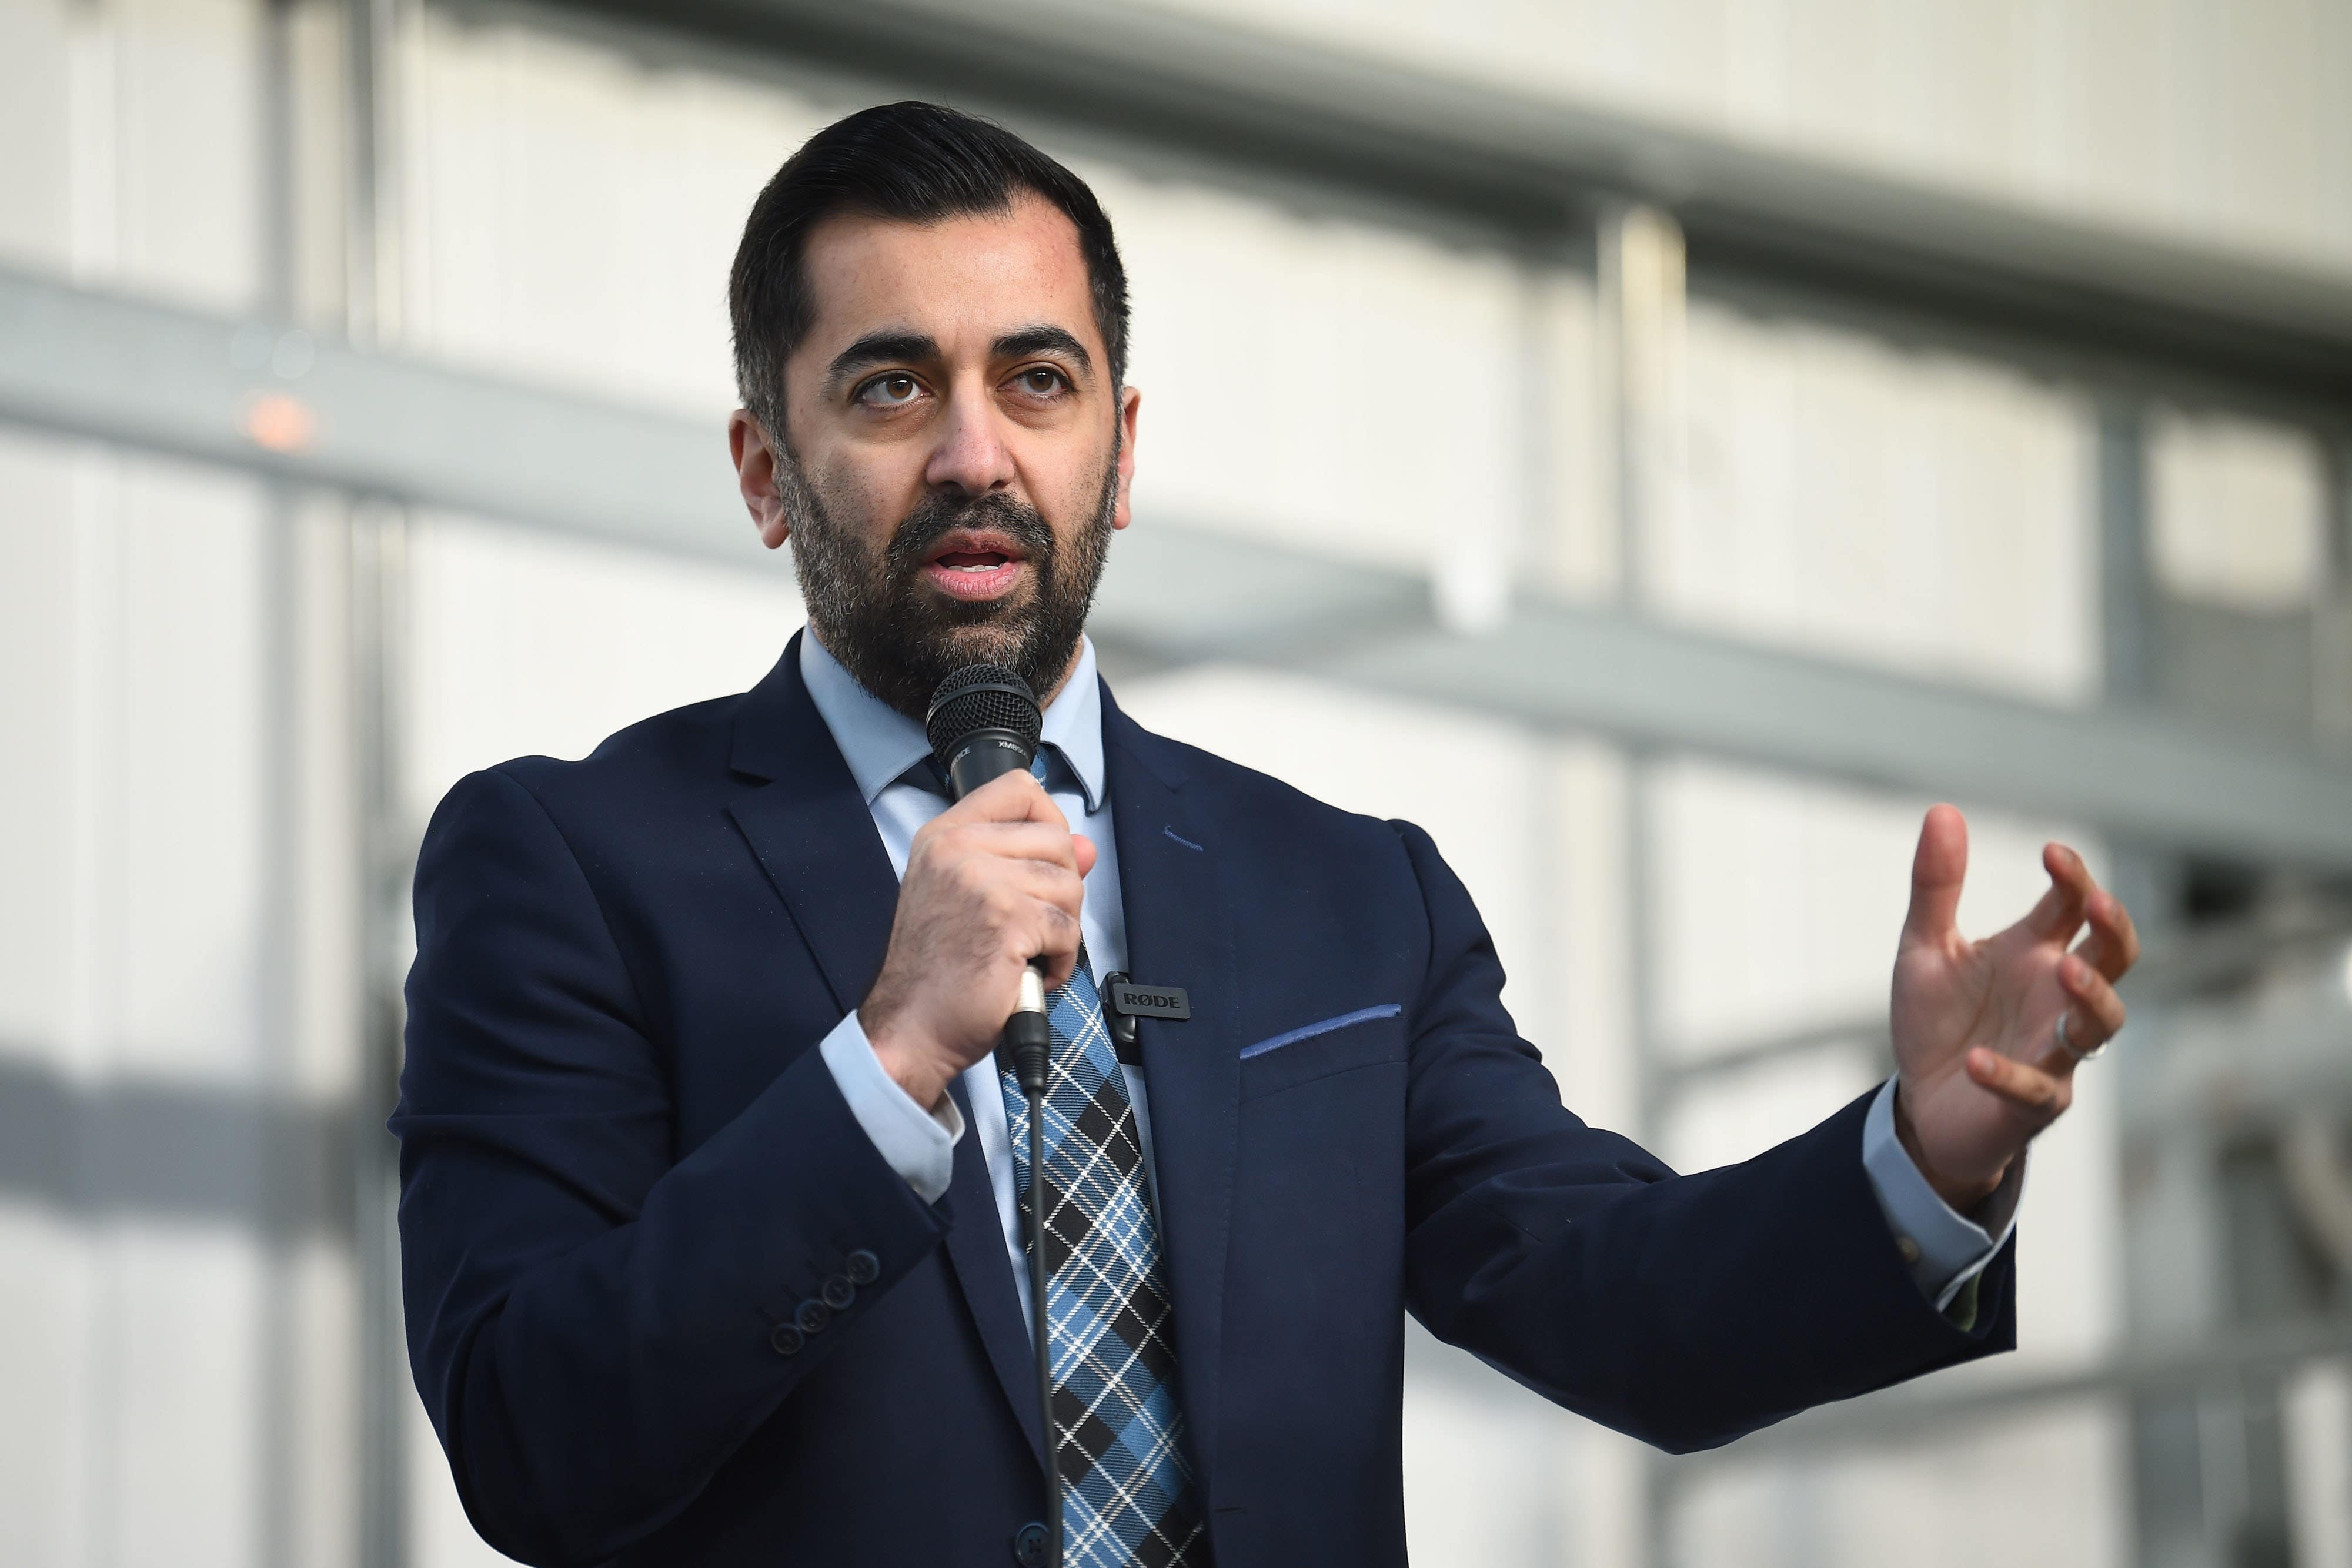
<point x="712" y="1191"/>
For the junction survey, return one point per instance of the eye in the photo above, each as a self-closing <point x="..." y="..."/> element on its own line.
<point x="894" y="390"/>
<point x="1042" y="381"/>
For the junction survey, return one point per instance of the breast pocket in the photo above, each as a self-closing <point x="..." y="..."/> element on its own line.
<point x="1341" y="1043"/>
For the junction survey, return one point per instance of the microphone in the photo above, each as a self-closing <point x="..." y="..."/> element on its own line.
<point x="983" y="722"/>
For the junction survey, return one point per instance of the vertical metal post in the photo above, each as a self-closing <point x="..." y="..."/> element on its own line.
<point x="2165" y="1229"/>
<point x="378" y="577"/>
<point x="2331" y="650"/>
<point x="1640" y="273"/>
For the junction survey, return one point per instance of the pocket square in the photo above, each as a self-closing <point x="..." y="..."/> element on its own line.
<point x="1308" y="1031"/>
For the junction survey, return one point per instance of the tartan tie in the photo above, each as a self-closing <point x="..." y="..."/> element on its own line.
<point x="1127" y="1486"/>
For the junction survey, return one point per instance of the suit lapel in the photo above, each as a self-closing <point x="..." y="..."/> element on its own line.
<point x="813" y="837"/>
<point x="1178" y="934"/>
<point x="811" y="832"/>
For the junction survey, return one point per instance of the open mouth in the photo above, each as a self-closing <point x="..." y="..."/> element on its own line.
<point x="974" y="566"/>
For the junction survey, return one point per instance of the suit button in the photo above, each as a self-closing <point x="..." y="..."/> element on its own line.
<point x="839" y="1293"/>
<point x="863" y="1268"/>
<point x="787" y="1340"/>
<point x="812" y="1317"/>
<point x="1029" y="1546"/>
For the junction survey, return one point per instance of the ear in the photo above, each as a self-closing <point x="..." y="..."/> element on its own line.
<point x="1129" y="401"/>
<point x="755" y="476"/>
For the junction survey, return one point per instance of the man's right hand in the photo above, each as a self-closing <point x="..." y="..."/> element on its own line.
<point x="991" y="882"/>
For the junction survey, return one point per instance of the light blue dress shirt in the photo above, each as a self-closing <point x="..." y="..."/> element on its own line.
<point x="1945" y="1250"/>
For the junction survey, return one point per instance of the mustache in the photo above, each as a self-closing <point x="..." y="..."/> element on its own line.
<point x="938" y="516"/>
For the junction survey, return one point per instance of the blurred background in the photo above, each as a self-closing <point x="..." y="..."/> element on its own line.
<point x="1715" y="429"/>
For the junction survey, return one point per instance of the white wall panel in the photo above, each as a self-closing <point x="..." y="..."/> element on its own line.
<point x="528" y="644"/>
<point x="183" y="786"/>
<point x="1487" y="1484"/>
<point x="1912" y="511"/>
<point x="134" y="668"/>
<point x="2237" y="513"/>
<point x="1776" y="902"/>
<point x="175" y="1356"/>
<point x="2040" y="1493"/>
<point x="46" y="1362"/>
<point x="133" y="138"/>
<point x="572" y="213"/>
<point x="35" y="109"/>
<point x="2319" y="1431"/>
<point x="39" y="715"/>
<point x="1325" y="382"/>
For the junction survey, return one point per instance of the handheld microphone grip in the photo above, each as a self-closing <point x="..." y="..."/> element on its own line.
<point x="1027" y="1040"/>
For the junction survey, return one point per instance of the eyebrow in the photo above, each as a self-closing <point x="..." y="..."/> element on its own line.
<point x="896" y="346"/>
<point x="887" y="346"/>
<point x="1045" y="339"/>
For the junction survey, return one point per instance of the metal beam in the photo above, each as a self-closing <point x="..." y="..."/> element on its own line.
<point x="1927" y="1412"/>
<point x="1762" y="225"/>
<point x="154" y="376"/>
<point x="182" y="1153"/>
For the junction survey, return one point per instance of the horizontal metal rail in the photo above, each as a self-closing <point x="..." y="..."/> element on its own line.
<point x="251" y="395"/>
<point x="1763" y="225"/>
<point x="1926" y="1411"/>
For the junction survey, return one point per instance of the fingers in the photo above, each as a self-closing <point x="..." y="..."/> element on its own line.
<point x="1015" y="797"/>
<point x="1004" y="812"/>
<point x="2028" y="1088"/>
<point x="1938" y="870"/>
<point x="2059" y="913"/>
<point x="2113" y="946"/>
<point x="2094" y="1015"/>
<point x="1046" y="841"/>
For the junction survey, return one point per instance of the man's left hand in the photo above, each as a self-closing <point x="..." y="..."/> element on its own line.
<point x="1975" y="1024"/>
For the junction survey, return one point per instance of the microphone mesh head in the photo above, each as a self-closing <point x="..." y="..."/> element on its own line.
<point x="982" y="696"/>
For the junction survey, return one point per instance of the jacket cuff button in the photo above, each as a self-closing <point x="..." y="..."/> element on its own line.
<point x="863" y="1266"/>
<point x="839" y="1293"/>
<point x="812" y="1317"/>
<point x="787" y="1340"/>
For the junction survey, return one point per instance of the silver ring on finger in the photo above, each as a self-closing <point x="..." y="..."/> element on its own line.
<point x="2068" y="1046"/>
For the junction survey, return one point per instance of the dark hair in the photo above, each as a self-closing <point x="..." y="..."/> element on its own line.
<point x="907" y="162"/>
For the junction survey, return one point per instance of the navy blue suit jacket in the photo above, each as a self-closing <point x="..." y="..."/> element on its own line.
<point x="625" y="1166"/>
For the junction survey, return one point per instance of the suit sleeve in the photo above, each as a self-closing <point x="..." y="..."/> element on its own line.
<point x="596" y="1325"/>
<point x="1683" y="1309"/>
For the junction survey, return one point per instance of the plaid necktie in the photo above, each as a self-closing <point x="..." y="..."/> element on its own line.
<point x="1126" y="1487"/>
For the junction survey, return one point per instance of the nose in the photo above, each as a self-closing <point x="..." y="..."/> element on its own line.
<point x="971" y="455"/>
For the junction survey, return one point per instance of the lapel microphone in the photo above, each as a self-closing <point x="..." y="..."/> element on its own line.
<point x="983" y="722"/>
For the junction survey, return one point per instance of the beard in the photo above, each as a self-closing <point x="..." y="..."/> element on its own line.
<point x="900" y="638"/>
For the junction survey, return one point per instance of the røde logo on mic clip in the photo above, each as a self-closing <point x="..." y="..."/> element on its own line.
<point x="1150" y="1001"/>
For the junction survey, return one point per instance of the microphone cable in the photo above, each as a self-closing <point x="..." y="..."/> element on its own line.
<point x="1028" y="1039"/>
<point x="983" y="722"/>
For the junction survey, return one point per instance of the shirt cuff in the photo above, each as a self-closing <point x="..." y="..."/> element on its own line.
<point x="1944" y="1249"/>
<point x="919" y="1145"/>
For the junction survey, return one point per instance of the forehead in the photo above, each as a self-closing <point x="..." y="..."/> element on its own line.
<point x="962" y="280"/>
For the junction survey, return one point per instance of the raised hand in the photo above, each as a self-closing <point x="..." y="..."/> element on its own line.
<point x="1975" y="1024"/>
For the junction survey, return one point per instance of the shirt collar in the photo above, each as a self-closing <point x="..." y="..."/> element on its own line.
<point x="880" y="743"/>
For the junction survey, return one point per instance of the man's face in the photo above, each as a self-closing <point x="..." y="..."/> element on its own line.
<point x="957" y="457"/>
